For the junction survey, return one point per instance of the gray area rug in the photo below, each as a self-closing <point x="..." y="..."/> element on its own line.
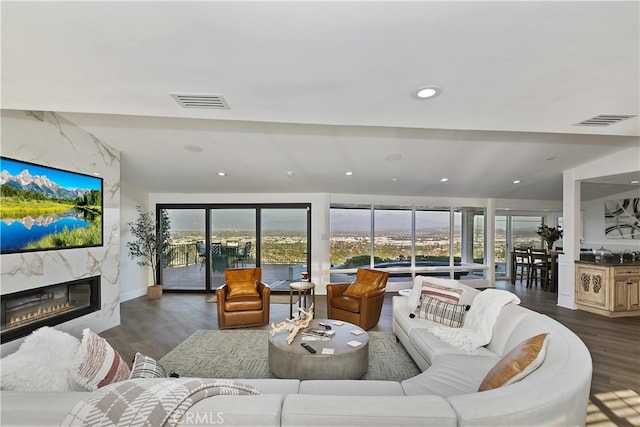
<point x="244" y="354"/>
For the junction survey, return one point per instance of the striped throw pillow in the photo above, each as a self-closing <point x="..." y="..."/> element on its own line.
<point x="443" y="293"/>
<point x="440" y="311"/>
<point x="97" y="364"/>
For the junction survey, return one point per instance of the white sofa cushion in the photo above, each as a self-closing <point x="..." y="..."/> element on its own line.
<point x="367" y="411"/>
<point x="430" y="346"/>
<point x="351" y="388"/>
<point x="451" y="375"/>
<point x="38" y="408"/>
<point x="247" y="410"/>
<point x="272" y="385"/>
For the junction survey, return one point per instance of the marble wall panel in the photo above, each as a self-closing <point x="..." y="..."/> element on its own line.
<point x="46" y="138"/>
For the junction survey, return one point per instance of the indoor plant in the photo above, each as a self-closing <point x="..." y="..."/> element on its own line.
<point x="549" y="234"/>
<point x="148" y="243"/>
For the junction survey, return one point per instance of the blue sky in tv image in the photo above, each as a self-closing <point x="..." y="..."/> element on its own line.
<point x="65" y="179"/>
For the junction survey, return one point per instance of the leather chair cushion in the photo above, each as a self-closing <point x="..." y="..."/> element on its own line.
<point x="366" y="280"/>
<point x="346" y="303"/>
<point x="241" y="283"/>
<point x="243" y="304"/>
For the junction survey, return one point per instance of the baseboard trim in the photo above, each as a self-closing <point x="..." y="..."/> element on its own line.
<point x="126" y="296"/>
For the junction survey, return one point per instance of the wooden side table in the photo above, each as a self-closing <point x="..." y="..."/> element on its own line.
<point x="303" y="289"/>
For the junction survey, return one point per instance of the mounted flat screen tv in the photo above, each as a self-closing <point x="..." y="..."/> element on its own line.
<point x="44" y="208"/>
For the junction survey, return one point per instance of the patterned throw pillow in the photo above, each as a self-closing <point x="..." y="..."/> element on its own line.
<point x="440" y="311"/>
<point x="97" y="364"/>
<point x="146" y="367"/>
<point x="443" y="293"/>
<point x="525" y="358"/>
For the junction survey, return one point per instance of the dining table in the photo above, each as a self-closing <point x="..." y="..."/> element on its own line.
<point x="552" y="260"/>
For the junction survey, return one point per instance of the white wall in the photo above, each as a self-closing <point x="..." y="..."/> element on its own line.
<point x="50" y="140"/>
<point x="134" y="278"/>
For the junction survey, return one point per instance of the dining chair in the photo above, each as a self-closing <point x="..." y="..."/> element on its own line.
<point x="242" y="254"/>
<point x="522" y="262"/>
<point x="202" y="253"/>
<point x="218" y="258"/>
<point x="540" y="268"/>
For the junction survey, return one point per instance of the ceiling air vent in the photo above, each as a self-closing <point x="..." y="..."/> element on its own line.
<point x="202" y="101"/>
<point x="604" y="120"/>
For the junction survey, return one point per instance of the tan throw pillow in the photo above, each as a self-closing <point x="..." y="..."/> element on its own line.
<point x="241" y="283"/>
<point x="525" y="358"/>
<point x="365" y="281"/>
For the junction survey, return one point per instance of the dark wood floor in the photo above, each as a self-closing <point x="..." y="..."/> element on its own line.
<point x="154" y="327"/>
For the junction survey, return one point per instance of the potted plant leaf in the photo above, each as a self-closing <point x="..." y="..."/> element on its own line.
<point x="549" y="235"/>
<point x="149" y="242"/>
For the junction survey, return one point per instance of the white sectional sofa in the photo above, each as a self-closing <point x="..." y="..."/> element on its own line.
<point x="445" y="394"/>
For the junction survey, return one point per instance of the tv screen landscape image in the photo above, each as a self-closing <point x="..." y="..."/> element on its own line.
<point x="44" y="208"/>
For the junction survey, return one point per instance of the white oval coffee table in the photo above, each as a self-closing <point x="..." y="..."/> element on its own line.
<point x="347" y="362"/>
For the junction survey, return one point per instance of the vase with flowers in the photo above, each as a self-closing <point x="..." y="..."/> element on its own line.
<point x="549" y="234"/>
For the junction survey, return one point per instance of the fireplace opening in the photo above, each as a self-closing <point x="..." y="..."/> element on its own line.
<point x="26" y="311"/>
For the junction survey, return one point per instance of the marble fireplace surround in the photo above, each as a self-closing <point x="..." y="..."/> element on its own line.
<point x="46" y="138"/>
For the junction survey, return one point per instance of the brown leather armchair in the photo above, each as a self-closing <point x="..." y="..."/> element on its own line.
<point x="243" y="300"/>
<point x="359" y="302"/>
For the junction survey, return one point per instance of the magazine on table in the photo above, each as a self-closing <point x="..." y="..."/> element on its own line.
<point x="317" y="334"/>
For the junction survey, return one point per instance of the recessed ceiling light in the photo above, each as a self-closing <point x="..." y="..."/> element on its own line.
<point x="394" y="179"/>
<point x="427" y="92"/>
<point x="290" y="174"/>
<point x="635" y="181"/>
<point x="517" y="181"/>
<point x="221" y="173"/>
<point x="193" y="148"/>
<point x="348" y="173"/>
<point x="444" y="179"/>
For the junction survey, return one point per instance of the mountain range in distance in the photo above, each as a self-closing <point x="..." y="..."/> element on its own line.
<point x="40" y="184"/>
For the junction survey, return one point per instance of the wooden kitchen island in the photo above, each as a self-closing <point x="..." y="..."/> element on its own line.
<point x="608" y="289"/>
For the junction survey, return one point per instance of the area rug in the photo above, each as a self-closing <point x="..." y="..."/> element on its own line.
<point x="273" y="298"/>
<point x="244" y="354"/>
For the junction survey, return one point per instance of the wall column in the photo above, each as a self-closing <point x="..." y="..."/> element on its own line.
<point x="571" y="240"/>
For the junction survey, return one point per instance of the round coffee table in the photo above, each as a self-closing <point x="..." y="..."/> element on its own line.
<point x="347" y="362"/>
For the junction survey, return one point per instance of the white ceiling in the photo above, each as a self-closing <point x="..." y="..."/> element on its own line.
<point x="319" y="88"/>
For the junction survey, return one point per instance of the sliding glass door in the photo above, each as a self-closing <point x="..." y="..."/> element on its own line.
<point x="284" y="245"/>
<point x="232" y="241"/>
<point x="207" y="239"/>
<point x="184" y="263"/>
